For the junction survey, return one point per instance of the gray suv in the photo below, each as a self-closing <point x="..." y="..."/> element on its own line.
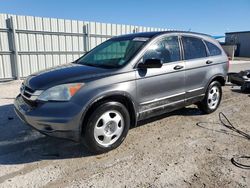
<point x="97" y="98"/>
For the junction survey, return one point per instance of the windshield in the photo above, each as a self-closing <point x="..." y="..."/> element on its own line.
<point x="113" y="53"/>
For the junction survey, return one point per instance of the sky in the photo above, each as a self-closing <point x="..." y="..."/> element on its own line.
<point x="214" y="17"/>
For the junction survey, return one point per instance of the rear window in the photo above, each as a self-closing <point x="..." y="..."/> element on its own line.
<point x="213" y="49"/>
<point x="193" y="48"/>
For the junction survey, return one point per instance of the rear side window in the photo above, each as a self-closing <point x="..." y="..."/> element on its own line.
<point x="193" y="48"/>
<point x="213" y="49"/>
<point x="167" y="50"/>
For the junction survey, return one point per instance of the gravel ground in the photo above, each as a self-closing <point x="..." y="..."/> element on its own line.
<point x="166" y="151"/>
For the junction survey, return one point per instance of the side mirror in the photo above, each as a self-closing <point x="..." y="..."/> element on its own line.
<point x="150" y="63"/>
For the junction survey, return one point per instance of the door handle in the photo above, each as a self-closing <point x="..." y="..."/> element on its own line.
<point x="178" y="67"/>
<point x="209" y="62"/>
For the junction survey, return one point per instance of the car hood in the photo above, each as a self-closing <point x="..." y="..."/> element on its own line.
<point x="68" y="73"/>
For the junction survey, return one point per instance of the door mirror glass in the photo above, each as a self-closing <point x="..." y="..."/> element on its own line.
<point x="150" y="63"/>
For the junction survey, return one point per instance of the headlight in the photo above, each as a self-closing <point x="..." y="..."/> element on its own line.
<point x="60" y="93"/>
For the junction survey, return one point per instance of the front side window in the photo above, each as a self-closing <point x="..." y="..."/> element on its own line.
<point x="113" y="53"/>
<point x="167" y="50"/>
<point x="213" y="49"/>
<point x="193" y="48"/>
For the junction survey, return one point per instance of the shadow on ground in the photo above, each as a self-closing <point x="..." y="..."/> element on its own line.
<point x="21" y="144"/>
<point x="186" y="111"/>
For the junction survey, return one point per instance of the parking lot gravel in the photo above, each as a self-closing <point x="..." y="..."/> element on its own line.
<point x="181" y="149"/>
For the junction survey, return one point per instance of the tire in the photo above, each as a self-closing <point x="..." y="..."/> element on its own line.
<point x="106" y="127"/>
<point x="212" y="98"/>
<point x="243" y="88"/>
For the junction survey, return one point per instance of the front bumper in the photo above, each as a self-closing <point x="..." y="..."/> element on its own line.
<point x="57" y="119"/>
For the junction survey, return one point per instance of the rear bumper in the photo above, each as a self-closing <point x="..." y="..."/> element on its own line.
<point x="60" y="120"/>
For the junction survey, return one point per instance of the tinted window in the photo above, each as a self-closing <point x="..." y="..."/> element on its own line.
<point x="213" y="49"/>
<point x="167" y="50"/>
<point x="193" y="48"/>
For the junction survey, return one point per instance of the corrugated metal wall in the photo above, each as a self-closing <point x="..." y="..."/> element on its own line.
<point x="5" y="50"/>
<point x="29" y="44"/>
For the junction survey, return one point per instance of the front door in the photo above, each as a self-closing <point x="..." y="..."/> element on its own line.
<point x="161" y="89"/>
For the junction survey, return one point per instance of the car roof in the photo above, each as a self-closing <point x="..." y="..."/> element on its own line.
<point x="152" y="34"/>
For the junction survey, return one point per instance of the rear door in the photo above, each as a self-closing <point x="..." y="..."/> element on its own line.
<point x="160" y="89"/>
<point x="196" y="63"/>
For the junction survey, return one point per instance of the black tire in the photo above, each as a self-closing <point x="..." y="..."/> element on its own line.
<point x="88" y="135"/>
<point x="204" y="104"/>
<point x="243" y="88"/>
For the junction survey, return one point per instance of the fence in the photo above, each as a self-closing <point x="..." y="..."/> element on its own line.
<point x="29" y="44"/>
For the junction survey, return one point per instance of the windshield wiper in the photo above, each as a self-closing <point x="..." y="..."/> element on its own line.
<point x="97" y="65"/>
<point x="89" y="64"/>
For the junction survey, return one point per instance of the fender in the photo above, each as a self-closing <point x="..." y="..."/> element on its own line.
<point x="106" y="95"/>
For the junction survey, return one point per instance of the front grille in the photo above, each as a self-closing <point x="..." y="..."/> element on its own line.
<point x="29" y="89"/>
<point x="26" y="91"/>
<point x="30" y="102"/>
<point x="28" y="95"/>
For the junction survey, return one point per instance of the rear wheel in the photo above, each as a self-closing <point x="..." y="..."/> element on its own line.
<point x="212" y="99"/>
<point x="106" y="127"/>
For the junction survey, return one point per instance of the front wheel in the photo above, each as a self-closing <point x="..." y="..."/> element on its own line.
<point x="106" y="127"/>
<point x="212" y="98"/>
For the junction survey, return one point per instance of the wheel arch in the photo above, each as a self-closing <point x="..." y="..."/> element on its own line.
<point x="121" y="97"/>
<point x="219" y="77"/>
